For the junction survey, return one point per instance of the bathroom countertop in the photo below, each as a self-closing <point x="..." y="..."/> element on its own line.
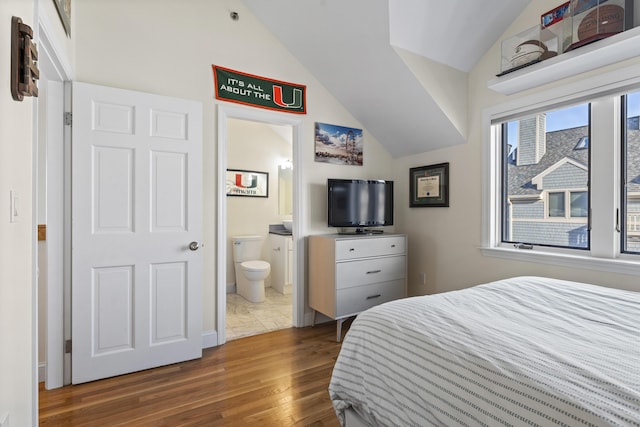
<point x="281" y="232"/>
<point x="279" y="229"/>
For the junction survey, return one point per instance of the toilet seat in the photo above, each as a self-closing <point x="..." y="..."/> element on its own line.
<point x="255" y="265"/>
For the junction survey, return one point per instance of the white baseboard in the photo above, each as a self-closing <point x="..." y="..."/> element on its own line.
<point x="209" y="339"/>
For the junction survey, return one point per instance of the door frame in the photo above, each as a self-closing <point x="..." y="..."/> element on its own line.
<point x="56" y="65"/>
<point x="226" y="112"/>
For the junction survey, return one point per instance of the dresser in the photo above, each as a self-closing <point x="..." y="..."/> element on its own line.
<point x="351" y="273"/>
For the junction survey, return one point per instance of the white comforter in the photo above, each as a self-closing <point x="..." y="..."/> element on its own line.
<point x="522" y="351"/>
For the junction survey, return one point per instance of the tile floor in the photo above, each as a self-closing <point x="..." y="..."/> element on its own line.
<point x="246" y="318"/>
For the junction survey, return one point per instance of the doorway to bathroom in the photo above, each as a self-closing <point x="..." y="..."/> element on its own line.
<point x="259" y="196"/>
<point x="257" y="151"/>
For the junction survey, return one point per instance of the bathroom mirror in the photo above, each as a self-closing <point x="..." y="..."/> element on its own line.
<point x="285" y="190"/>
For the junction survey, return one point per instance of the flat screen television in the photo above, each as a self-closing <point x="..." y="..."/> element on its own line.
<point x="359" y="203"/>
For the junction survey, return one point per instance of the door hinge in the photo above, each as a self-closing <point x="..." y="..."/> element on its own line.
<point x="67" y="347"/>
<point x="68" y="118"/>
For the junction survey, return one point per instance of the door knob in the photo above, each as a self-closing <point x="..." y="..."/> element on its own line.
<point x="194" y="246"/>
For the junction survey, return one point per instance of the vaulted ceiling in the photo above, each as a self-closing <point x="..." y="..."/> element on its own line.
<point x="364" y="52"/>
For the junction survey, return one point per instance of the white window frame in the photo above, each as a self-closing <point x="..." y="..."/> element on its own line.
<point x="603" y="92"/>
<point x="567" y="206"/>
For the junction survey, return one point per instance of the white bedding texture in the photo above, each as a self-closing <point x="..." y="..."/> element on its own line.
<point x="522" y="351"/>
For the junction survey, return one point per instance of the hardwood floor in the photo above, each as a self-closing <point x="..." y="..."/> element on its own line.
<point x="274" y="379"/>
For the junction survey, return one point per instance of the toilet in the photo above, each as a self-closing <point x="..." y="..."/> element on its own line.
<point x="250" y="270"/>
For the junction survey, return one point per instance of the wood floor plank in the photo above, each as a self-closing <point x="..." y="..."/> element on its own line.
<point x="275" y="379"/>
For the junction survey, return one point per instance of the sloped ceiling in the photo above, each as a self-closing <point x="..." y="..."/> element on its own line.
<point x="348" y="45"/>
<point x="456" y="33"/>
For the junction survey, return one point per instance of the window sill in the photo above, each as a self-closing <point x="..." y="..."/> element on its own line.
<point x="611" y="50"/>
<point x="618" y="265"/>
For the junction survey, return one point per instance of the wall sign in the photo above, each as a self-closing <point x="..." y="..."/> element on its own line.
<point x="24" y="57"/>
<point x="247" y="183"/>
<point x="261" y="92"/>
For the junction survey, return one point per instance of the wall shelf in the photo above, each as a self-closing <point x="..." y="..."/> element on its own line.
<point x="614" y="49"/>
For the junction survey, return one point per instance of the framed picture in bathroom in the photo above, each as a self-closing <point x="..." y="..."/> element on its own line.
<point x="247" y="183"/>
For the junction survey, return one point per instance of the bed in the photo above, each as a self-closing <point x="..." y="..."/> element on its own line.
<point x="520" y="351"/>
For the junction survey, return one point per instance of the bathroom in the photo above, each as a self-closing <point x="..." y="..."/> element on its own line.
<point x="265" y="149"/>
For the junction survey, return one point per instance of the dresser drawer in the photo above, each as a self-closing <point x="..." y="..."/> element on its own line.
<point x="354" y="300"/>
<point x="367" y="271"/>
<point x="369" y="247"/>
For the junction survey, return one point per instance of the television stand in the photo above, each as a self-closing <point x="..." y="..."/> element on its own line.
<point x="349" y="274"/>
<point x="360" y="232"/>
<point x="370" y="231"/>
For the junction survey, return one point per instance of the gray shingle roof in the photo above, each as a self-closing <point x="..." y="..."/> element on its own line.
<point x="561" y="144"/>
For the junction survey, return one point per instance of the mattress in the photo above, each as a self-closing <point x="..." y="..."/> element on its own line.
<point x="521" y="351"/>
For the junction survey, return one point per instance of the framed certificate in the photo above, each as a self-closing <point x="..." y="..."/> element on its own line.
<point x="429" y="186"/>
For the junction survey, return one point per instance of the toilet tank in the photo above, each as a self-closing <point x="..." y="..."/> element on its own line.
<point x="246" y="248"/>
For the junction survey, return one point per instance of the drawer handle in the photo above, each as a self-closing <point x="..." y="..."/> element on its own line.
<point x="393" y="246"/>
<point x="351" y="250"/>
<point x="277" y="249"/>
<point x="374" y="296"/>
<point x="373" y="271"/>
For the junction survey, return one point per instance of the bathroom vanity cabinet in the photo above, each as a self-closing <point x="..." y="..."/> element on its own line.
<point x="349" y="274"/>
<point x="281" y="260"/>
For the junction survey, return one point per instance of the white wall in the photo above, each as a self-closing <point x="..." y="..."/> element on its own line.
<point x="18" y="295"/>
<point x="444" y="242"/>
<point x="17" y="317"/>
<point x="446" y="85"/>
<point x="163" y="47"/>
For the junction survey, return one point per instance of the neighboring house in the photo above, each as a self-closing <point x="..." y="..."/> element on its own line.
<point x="633" y="185"/>
<point x="548" y="175"/>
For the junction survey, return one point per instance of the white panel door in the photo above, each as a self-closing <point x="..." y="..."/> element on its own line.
<point x="136" y="208"/>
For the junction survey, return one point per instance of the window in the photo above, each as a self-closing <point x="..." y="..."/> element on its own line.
<point x="582" y="143"/>
<point x="545" y="178"/>
<point x="556" y="205"/>
<point x="631" y="173"/>
<point x="579" y="204"/>
<point x="573" y="204"/>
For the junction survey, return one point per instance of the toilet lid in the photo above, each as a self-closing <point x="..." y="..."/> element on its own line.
<point x="255" y="265"/>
